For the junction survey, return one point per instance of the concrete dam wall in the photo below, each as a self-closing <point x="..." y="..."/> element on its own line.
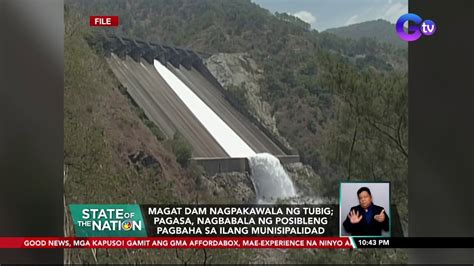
<point x="132" y="63"/>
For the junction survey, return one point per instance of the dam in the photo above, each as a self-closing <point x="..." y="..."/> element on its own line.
<point x="150" y="71"/>
<point x="177" y="92"/>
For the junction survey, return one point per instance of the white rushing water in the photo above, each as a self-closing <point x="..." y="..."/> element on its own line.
<point x="232" y="144"/>
<point x="269" y="178"/>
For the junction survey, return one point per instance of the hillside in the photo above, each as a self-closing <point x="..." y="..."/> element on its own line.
<point x="380" y="30"/>
<point x="341" y="103"/>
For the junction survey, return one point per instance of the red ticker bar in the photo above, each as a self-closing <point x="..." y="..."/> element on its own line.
<point x="176" y="242"/>
<point x="236" y="242"/>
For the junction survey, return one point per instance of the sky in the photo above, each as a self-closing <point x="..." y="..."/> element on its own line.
<point x="324" y="14"/>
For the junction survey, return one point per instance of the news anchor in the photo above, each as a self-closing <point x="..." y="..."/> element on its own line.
<point x="366" y="219"/>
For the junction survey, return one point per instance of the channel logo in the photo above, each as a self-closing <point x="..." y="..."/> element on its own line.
<point x="416" y="29"/>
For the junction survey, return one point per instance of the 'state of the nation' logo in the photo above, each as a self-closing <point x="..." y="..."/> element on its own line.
<point x="107" y="220"/>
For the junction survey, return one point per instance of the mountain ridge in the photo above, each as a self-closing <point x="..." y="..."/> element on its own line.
<point x="380" y="30"/>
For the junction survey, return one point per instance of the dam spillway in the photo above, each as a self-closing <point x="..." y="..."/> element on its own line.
<point x="232" y="144"/>
<point x="133" y="63"/>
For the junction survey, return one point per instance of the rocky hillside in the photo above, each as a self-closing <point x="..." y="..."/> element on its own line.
<point x="240" y="76"/>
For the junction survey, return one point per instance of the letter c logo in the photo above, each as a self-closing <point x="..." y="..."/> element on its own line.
<point x="414" y="29"/>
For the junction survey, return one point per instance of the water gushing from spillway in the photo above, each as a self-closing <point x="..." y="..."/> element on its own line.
<point x="227" y="138"/>
<point x="270" y="179"/>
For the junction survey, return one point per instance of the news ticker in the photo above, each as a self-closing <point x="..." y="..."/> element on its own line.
<point x="216" y="226"/>
<point x="234" y="242"/>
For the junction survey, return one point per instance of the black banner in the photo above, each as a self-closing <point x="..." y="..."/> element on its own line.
<point x="241" y="220"/>
<point x="414" y="242"/>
